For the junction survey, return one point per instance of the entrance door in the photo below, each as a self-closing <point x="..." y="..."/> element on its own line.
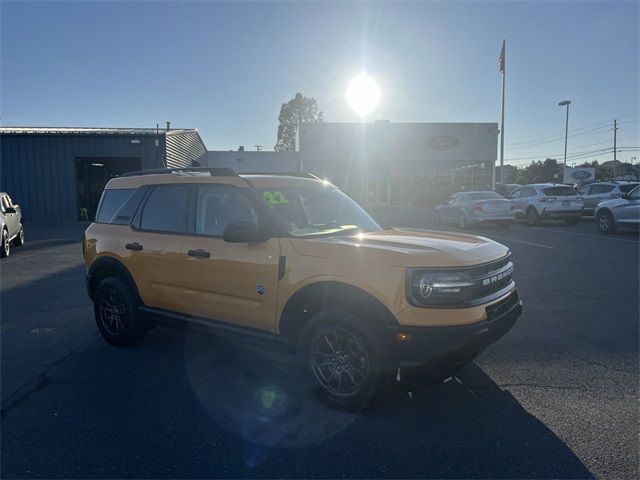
<point x="231" y="282"/>
<point x="92" y="174"/>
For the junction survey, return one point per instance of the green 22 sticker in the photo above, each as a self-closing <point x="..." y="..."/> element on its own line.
<point x="275" y="198"/>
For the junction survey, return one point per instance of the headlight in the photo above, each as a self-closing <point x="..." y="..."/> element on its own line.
<point x="440" y="288"/>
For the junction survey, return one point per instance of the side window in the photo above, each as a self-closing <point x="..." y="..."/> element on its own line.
<point x="516" y="193"/>
<point x="218" y="206"/>
<point x="607" y="188"/>
<point x="111" y="202"/>
<point x="452" y="199"/>
<point x="166" y="209"/>
<point x="528" y="192"/>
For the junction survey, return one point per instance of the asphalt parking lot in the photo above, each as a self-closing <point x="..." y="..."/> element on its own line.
<point x="556" y="398"/>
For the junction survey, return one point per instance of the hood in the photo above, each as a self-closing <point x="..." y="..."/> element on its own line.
<point x="405" y="248"/>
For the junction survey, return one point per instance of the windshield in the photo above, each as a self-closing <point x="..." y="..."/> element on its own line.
<point x="317" y="210"/>
<point x="484" y="195"/>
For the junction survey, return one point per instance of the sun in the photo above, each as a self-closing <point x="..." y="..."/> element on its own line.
<point x="363" y="94"/>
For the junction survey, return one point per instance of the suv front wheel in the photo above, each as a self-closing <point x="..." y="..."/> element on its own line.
<point x="116" y="313"/>
<point x="345" y="358"/>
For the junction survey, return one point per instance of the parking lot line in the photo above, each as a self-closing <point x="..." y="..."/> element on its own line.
<point x="603" y="237"/>
<point x="522" y="241"/>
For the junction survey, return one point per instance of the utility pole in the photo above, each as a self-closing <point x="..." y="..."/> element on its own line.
<point x="615" y="149"/>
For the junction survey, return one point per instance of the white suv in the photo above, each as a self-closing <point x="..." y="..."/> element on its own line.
<point x="547" y="201"/>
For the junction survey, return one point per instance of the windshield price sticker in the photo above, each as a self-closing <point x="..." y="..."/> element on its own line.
<point x="275" y="198"/>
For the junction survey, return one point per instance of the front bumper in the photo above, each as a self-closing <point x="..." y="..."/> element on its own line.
<point x="442" y="351"/>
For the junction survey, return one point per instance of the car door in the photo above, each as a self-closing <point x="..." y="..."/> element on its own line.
<point x="629" y="211"/>
<point x="516" y="201"/>
<point x="447" y="210"/>
<point x="230" y="282"/>
<point x="152" y="247"/>
<point x="11" y="216"/>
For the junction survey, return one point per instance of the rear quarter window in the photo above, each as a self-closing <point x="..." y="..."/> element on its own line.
<point x="628" y="188"/>
<point x="559" y="191"/>
<point x="111" y="202"/>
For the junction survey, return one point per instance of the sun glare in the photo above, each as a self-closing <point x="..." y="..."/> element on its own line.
<point x="363" y="94"/>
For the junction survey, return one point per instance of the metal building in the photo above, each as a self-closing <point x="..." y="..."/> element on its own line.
<point x="57" y="174"/>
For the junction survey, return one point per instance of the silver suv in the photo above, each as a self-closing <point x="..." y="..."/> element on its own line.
<point x="619" y="212"/>
<point x="594" y="193"/>
<point x="11" y="224"/>
<point x="546" y="201"/>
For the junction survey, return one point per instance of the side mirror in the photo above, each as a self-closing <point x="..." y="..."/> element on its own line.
<point x="626" y="196"/>
<point x="242" y="232"/>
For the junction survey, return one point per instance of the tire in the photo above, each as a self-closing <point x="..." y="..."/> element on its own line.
<point x="462" y="221"/>
<point x="345" y="359"/>
<point x="19" y="240"/>
<point x="533" y="218"/>
<point x="116" y="313"/>
<point x="438" y="220"/>
<point x="572" y="222"/>
<point x="606" y="223"/>
<point x="5" y="248"/>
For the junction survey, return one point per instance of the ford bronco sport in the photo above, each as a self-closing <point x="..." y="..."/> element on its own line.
<point x="291" y="257"/>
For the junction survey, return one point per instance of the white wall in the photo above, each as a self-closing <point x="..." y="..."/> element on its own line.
<point x="248" y="161"/>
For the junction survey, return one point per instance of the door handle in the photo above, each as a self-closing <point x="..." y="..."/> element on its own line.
<point x="133" y="246"/>
<point x="199" y="253"/>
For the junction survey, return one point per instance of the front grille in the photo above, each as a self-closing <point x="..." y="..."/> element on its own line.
<point x="491" y="277"/>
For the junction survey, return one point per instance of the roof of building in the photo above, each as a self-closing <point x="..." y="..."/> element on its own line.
<point x="90" y="131"/>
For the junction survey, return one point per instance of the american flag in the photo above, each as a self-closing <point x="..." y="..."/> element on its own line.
<point x="501" y="59"/>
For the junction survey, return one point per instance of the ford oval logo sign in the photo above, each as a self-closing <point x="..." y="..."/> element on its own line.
<point x="581" y="175"/>
<point x="443" y="142"/>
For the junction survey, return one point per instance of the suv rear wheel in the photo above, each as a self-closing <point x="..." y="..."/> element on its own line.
<point x="345" y="359"/>
<point x="116" y="313"/>
<point x="532" y="217"/>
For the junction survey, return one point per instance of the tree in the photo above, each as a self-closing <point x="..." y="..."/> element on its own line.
<point x="297" y="110"/>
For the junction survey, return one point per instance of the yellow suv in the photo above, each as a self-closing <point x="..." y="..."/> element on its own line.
<point x="293" y="258"/>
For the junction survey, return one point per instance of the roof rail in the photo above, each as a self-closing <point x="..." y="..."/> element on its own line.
<point x="213" y="171"/>
<point x="285" y="174"/>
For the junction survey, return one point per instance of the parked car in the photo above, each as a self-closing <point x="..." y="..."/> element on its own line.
<point x="294" y="259"/>
<point x="11" y="224"/>
<point x="547" y="201"/>
<point x="470" y="208"/>
<point x="619" y="212"/>
<point x="594" y="193"/>
<point x="505" y="189"/>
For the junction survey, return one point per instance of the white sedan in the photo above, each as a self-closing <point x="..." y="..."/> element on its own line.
<point x="468" y="208"/>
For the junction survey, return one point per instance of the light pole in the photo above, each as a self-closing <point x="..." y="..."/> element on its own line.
<point x="566" y="128"/>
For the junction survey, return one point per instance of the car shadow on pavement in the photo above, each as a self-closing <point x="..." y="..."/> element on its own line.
<point x="188" y="404"/>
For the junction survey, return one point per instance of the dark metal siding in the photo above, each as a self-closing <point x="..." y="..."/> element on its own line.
<point x="38" y="170"/>
<point x="183" y="148"/>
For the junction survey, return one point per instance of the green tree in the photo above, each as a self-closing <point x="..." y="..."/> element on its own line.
<point x="297" y="110"/>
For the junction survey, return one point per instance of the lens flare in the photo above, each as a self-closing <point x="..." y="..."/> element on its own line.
<point x="363" y="94"/>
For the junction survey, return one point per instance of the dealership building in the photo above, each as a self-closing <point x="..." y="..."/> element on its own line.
<point x="57" y="174"/>
<point x="383" y="163"/>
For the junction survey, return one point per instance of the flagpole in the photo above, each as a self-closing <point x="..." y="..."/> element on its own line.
<point x="504" y="74"/>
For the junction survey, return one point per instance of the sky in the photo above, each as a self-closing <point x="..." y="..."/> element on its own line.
<point x="225" y="68"/>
